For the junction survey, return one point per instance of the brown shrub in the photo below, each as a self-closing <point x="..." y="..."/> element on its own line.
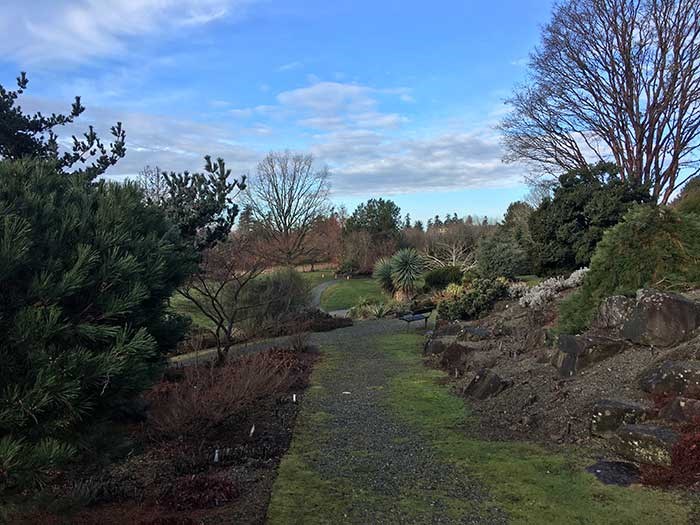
<point x="208" y="395"/>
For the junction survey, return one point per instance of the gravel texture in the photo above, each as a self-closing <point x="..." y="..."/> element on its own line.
<point x="393" y="474"/>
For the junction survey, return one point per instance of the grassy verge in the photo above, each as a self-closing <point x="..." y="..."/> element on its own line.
<point x="531" y="484"/>
<point x="346" y="294"/>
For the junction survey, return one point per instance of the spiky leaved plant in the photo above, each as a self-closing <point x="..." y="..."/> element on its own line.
<point x="407" y="267"/>
<point x="382" y="273"/>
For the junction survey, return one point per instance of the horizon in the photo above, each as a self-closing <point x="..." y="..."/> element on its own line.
<point x="352" y="84"/>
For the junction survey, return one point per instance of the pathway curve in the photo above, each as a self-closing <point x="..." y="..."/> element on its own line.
<point x="317" y="293"/>
<point x="352" y="449"/>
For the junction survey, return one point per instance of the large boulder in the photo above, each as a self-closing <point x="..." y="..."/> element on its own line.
<point x="613" y="313"/>
<point x="579" y="351"/>
<point x="486" y="383"/>
<point x="680" y="378"/>
<point x="609" y="415"/>
<point x="648" y="444"/>
<point x="681" y="409"/>
<point x="661" y="319"/>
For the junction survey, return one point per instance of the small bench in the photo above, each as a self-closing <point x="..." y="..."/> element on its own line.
<point x="418" y="315"/>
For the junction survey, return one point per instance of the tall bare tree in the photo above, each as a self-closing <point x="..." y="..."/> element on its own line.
<point x="286" y="197"/>
<point x="614" y="80"/>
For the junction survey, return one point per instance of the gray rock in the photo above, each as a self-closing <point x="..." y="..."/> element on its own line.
<point x="680" y="378"/>
<point x="662" y="319"/>
<point x="579" y="351"/>
<point x="681" y="409"/>
<point x="486" y="383"/>
<point x="649" y="444"/>
<point x="609" y="415"/>
<point x="613" y="313"/>
<point x="473" y="333"/>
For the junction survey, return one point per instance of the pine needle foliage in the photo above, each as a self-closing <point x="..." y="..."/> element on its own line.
<point x="86" y="270"/>
<point x="653" y="246"/>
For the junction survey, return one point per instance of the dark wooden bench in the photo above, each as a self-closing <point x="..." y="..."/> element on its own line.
<point x="417" y="315"/>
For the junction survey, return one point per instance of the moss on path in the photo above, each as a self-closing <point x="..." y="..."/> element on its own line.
<point x="379" y="440"/>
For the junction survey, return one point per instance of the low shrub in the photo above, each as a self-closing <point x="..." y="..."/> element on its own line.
<point x="652" y="247"/>
<point x="312" y="320"/>
<point x="270" y="298"/>
<point x="474" y="301"/>
<point x="685" y="462"/>
<point x="542" y="293"/>
<point x="440" y="278"/>
<point x="382" y="273"/>
<point x="374" y="310"/>
<point x="207" y="395"/>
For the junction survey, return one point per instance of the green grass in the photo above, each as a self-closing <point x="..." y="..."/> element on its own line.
<point x="532" y="484"/>
<point x="346" y="294"/>
<point x="317" y="277"/>
<point x="186" y="307"/>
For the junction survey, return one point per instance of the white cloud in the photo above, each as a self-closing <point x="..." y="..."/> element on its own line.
<point x="72" y="31"/>
<point x="289" y="67"/>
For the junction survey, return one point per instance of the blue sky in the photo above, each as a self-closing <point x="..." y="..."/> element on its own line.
<point x="399" y="99"/>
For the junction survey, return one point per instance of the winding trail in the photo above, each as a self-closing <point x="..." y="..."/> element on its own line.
<point x="352" y="452"/>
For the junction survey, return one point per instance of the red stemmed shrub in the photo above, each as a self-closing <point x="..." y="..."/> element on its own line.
<point x="209" y="395"/>
<point x="685" y="461"/>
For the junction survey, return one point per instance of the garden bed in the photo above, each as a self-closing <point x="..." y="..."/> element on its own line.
<point x="185" y="470"/>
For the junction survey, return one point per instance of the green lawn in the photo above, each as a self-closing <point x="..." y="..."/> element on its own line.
<point x="346" y="294"/>
<point x="317" y="277"/>
<point x="186" y="307"/>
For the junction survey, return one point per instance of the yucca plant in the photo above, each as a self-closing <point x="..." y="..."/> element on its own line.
<point x="382" y="273"/>
<point x="407" y="267"/>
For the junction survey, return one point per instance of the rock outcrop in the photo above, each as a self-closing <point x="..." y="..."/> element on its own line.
<point x="608" y="415"/>
<point x="647" y="444"/>
<point x="579" y="351"/>
<point x="661" y="319"/>
<point x="680" y="378"/>
<point x="486" y="383"/>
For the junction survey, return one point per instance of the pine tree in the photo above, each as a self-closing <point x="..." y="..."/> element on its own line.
<point x="33" y="136"/>
<point x="86" y="270"/>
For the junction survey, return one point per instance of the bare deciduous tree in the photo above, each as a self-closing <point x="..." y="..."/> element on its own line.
<point x="153" y="182"/>
<point x="452" y="245"/>
<point x="614" y="79"/>
<point x="286" y="197"/>
<point x="224" y="272"/>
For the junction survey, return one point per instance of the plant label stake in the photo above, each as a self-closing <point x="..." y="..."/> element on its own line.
<point x="252" y="431"/>
<point x="294" y="398"/>
<point x="216" y="456"/>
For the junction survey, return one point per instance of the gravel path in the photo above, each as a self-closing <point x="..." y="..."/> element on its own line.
<point x="317" y="292"/>
<point x="393" y="474"/>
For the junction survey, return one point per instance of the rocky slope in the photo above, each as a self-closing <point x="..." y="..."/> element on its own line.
<point x="626" y="386"/>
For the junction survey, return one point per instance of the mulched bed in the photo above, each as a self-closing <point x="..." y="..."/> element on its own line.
<point x="223" y="477"/>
